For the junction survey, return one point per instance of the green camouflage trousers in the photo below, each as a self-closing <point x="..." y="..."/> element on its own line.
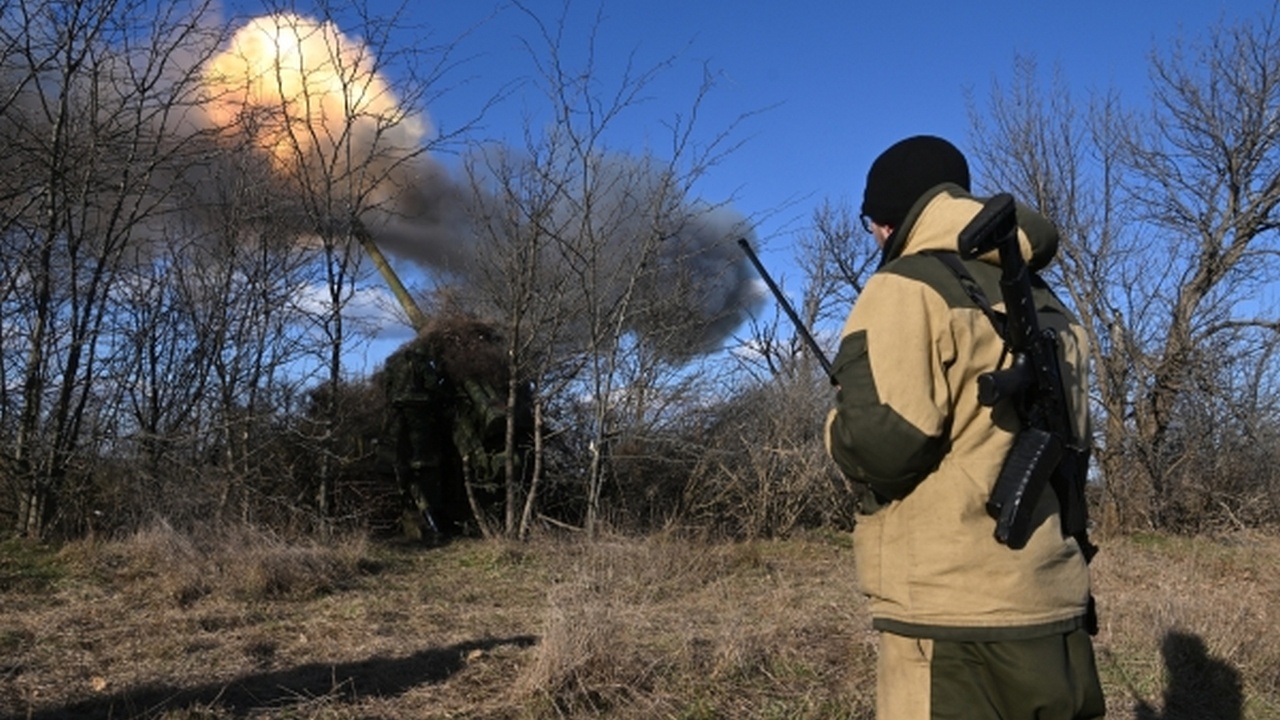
<point x="1046" y="678"/>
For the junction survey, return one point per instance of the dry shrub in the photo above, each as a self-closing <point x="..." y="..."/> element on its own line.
<point x="157" y="560"/>
<point x="264" y="566"/>
<point x="681" y="629"/>
<point x="593" y="654"/>
<point x="587" y="659"/>
<point x="236" y="561"/>
<point x="761" y="470"/>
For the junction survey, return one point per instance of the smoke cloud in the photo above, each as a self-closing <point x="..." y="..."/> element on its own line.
<point x="310" y="100"/>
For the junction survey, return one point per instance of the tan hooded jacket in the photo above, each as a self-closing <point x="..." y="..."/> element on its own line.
<point x="908" y="424"/>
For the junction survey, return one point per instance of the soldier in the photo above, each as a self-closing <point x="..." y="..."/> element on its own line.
<point x="969" y="627"/>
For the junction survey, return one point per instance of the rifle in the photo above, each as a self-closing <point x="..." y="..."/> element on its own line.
<point x="1046" y="450"/>
<point x="786" y="307"/>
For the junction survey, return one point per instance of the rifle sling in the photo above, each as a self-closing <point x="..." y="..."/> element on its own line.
<point x="971" y="288"/>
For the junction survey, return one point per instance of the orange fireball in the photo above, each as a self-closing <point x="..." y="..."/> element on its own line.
<point x="306" y="93"/>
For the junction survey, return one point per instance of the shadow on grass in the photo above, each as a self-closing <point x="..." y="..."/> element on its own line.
<point x="1200" y="687"/>
<point x="345" y="682"/>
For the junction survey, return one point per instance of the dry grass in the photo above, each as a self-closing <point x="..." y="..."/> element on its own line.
<point x="235" y="562"/>
<point x="1189" y="627"/>
<point x="238" y="624"/>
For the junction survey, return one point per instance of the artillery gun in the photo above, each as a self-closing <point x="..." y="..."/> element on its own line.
<point x="446" y="415"/>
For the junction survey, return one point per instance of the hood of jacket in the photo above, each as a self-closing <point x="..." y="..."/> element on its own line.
<point x="936" y="219"/>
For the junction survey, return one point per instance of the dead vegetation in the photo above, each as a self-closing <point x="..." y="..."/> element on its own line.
<point x="241" y="624"/>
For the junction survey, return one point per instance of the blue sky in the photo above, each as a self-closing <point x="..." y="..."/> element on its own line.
<point x="838" y="81"/>
<point x="835" y="82"/>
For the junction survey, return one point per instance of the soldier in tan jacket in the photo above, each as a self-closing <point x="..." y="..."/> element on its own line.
<point x="969" y="627"/>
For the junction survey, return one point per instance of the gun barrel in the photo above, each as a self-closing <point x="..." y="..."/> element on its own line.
<point x="417" y="318"/>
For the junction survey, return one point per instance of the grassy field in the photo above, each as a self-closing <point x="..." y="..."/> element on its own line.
<point x="238" y="624"/>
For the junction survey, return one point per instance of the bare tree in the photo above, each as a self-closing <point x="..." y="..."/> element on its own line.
<point x="516" y="230"/>
<point x="92" y="103"/>
<point x="765" y="471"/>
<point x="1169" y="232"/>
<point x="210" y="338"/>
<point x="599" y="262"/>
<point x="1208" y="174"/>
<point x="1064" y="160"/>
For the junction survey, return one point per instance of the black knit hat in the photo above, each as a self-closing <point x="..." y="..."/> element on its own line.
<point x="905" y="171"/>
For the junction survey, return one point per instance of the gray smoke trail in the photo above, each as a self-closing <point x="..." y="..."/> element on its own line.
<point x="669" y="266"/>
<point x="428" y="220"/>
<point x="703" y="259"/>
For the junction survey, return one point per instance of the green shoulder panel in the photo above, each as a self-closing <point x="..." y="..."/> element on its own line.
<point x="930" y="270"/>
